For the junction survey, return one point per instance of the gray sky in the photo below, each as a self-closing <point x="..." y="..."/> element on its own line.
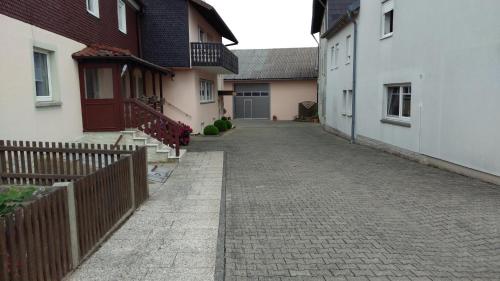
<point x="267" y="23"/>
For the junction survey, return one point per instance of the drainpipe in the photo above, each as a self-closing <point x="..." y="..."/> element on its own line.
<point x="355" y="48"/>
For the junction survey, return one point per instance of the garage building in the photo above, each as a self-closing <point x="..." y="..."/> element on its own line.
<point x="271" y="83"/>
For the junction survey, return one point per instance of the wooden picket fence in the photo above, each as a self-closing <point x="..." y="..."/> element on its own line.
<point x="37" y="240"/>
<point x="34" y="241"/>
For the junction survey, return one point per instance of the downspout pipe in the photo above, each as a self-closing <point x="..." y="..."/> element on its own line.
<point x="354" y="77"/>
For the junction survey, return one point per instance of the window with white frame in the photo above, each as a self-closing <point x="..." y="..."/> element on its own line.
<point x="93" y="7"/>
<point x="387" y="18"/>
<point x="206" y="91"/>
<point x="202" y="36"/>
<point x="348" y="51"/>
<point x="398" y="101"/>
<point x="43" y="84"/>
<point x="337" y="52"/>
<point x="122" y="16"/>
<point x="344" y="103"/>
<point x="332" y="57"/>
<point x="347" y="103"/>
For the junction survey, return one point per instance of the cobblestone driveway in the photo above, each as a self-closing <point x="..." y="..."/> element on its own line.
<point x="305" y="205"/>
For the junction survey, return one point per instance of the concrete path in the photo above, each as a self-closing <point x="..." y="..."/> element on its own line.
<point x="173" y="236"/>
<point x="305" y="205"/>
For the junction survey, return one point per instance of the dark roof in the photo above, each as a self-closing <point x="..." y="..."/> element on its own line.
<point x="276" y="64"/>
<point x="343" y="20"/>
<point x="211" y="15"/>
<point x="336" y="9"/>
<point x="96" y="52"/>
<point x="317" y="17"/>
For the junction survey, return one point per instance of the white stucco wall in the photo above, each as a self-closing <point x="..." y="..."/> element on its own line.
<point x="449" y="51"/>
<point x="339" y="77"/>
<point x="19" y="117"/>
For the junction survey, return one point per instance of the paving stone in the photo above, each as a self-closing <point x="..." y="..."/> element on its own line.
<point x="311" y="199"/>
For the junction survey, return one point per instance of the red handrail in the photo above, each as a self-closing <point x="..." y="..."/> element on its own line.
<point x="143" y="117"/>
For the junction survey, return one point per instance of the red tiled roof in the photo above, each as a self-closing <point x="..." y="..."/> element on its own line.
<point x="97" y="51"/>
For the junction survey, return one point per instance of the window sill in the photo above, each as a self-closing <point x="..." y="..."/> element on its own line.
<point x="396" y="122"/>
<point x="92" y="13"/>
<point x="388" y="35"/>
<point x="207" y="102"/>
<point x="45" y="104"/>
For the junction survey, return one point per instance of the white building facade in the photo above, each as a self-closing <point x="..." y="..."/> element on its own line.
<point x="428" y="81"/>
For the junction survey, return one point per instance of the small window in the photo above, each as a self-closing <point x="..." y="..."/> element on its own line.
<point x="264" y="94"/>
<point x="93" y="7"/>
<point x="348" y="51"/>
<point x="239" y="94"/>
<point x="388" y="18"/>
<point x="43" y="87"/>
<point x="332" y="57"/>
<point x="248" y="94"/>
<point x="122" y="16"/>
<point x="344" y="103"/>
<point x="349" y="103"/>
<point x="399" y="102"/>
<point x="202" y="36"/>
<point x="336" y="57"/>
<point x="206" y="91"/>
<point x="256" y="94"/>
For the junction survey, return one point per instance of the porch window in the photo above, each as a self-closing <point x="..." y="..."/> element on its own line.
<point x="206" y="91"/>
<point x="43" y="87"/>
<point x="122" y="16"/>
<point x="98" y="83"/>
<point x="93" y="7"/>
<point x="399" y="102"/>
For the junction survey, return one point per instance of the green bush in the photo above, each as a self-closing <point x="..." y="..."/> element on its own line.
<point x="210" y="130"/>
<point x="224" y="118"/>
<point x="229" y="125"/>
<point x="221" y="125"/>
<point x="13" y="197"/>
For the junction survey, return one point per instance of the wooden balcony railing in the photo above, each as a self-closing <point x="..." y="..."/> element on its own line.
<point x="141" y="116"/>
<point x="213" y="54"/>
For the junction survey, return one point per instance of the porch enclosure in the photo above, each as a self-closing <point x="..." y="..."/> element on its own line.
<point x="48" y="237"/>
<point x="116" y="96"/>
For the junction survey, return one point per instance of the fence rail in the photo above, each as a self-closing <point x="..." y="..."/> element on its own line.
<point x="47" y="238"/>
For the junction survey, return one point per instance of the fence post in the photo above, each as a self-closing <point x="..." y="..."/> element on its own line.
<point x="132" y="185"/>
<point x="73" y="228"/>
<point x="2" y="162"/>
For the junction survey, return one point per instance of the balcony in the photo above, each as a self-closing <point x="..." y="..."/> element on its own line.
<point x="214" y="57"/>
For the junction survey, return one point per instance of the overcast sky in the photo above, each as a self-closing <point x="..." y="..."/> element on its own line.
<point x="261" y="24"/>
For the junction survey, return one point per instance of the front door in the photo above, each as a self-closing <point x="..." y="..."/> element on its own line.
<point x="247" y="111"/>
<point x="101" y="97"/>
